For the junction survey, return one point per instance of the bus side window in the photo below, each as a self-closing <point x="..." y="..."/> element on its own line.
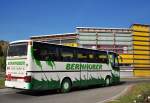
<point x="96" y="59"/>
<point x="40" y="54"/>
<point x="37" y="51"/>
<point x="52" y="53"/>
<point x="67" y="54"/>
<point x="44" y="52"/>
<point x="82" y="55"/>
<point x="91" y="58"/>
<point x="102" y="57"/>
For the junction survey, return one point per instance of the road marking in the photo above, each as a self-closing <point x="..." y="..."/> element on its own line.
<point x="116" y="96"/>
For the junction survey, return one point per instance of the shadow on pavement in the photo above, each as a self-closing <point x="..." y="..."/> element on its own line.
<point x="39" y="93"/>
<point x="53" y="92"/>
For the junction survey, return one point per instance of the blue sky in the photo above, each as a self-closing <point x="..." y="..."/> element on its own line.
<point x="20" y="19"/>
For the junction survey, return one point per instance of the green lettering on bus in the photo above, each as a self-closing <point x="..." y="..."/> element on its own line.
<point x="77" y="66"/>
<point x="16" y="63"/>
<point x="73" y="66"/>
<point x="67" y="66"/>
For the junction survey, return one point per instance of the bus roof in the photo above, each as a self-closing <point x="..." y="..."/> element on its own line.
<point x="70" y="46"/>
<point x="20" y="41"/>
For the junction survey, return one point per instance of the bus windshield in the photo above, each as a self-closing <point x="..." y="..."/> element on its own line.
<point x="114" y="59"/>
<point x="17" y="49"/>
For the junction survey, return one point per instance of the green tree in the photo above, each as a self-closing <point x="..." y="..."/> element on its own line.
<point x="2" y="63"/>
<point x="1" y="51"/>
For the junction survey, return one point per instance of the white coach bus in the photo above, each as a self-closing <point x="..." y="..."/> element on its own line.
<point x="34" y="65"/>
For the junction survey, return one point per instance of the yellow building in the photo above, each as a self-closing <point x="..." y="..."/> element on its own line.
<point x="141" y="49"/>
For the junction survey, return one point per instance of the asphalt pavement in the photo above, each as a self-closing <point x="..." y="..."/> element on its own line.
<point x="88" y="95"/>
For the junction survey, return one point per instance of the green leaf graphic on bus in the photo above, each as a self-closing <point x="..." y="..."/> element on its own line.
<point x="50" y="63"/>
<point x="36" y="61"/>
<point x="45" y="84"/>
<point x="85" y="81"/>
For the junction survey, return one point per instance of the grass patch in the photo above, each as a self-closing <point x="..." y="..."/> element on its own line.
<point x="138" y="92"/>
<point x="2" y="83"/>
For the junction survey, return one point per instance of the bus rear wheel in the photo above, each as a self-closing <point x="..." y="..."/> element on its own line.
<point x="107" y="81"/>
<point x="65" y="86"/>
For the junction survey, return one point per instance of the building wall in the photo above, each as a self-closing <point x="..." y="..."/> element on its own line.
<point x="133" y="44"/>
<point x="69" y="39"/>
<point x="117" y="40"/>
<point x="141" y="49"/>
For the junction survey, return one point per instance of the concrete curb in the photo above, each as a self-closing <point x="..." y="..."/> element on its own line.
<point x="116" y="96"/>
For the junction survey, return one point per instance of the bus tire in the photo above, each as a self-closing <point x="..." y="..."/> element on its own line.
<point x="107" y="81"/>
<point x="65" y="86"/>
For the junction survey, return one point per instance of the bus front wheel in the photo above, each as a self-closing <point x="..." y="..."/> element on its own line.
<point x="65" y="86"/>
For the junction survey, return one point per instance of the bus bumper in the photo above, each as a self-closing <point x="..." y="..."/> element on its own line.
<point x="17" y="84"/>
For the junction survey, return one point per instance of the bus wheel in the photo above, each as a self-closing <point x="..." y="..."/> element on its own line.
<point x="107" y="81"/>
<point x="65" y="86"/>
